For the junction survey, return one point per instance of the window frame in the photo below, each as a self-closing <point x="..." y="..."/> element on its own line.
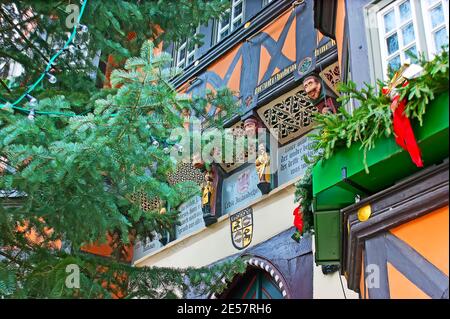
<point x="187" y="55"/>
<point x="383" y="35"/>
<point x="377" y="52"/>
<point x="425" y="8"/>
<point x="219" y="28"/>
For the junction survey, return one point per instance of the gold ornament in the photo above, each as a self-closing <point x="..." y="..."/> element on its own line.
<point x="364" y="213"/>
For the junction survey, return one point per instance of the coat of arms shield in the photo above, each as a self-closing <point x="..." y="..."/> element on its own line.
<point x="242" y="228"/>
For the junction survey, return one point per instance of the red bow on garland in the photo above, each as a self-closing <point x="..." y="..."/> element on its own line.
<point x="404" y="134"/>
<point x="298" y="219"/>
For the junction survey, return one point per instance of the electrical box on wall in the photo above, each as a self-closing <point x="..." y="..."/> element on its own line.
<point x="327" y="228"/>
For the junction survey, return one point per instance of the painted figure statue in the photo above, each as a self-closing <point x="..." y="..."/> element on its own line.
<point x="207" y="199"/>
<point x="262" y="164"/>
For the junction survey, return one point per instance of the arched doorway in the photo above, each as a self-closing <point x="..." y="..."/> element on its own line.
<point x="254" y="284"/>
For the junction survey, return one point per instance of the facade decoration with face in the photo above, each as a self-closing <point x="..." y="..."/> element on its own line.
<point x="317" y="94"/>
<point x="313" y="87"/>
<point x="251" y="126"/>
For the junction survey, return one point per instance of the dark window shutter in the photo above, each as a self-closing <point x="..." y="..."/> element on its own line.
<point x="325" y="17"/>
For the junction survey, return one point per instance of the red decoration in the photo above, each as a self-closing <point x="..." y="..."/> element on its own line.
<point x="298" y="219"/>
<point x="404" y="135"/>
<point x="131" y="36"/>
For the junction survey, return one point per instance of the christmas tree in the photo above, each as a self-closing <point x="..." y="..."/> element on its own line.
<point x="70" y="180"/>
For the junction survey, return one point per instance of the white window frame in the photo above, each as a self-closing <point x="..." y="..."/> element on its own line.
<point x="398" y="29"/>
<point x="266" y="2"/>
<point x="232" y="19"/>
<point x="377" y="48"/>
<point x="429" y="30"/>
<point x="182" y="62"/>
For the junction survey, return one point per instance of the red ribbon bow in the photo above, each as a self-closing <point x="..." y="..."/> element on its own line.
<point x="404" y="134"/>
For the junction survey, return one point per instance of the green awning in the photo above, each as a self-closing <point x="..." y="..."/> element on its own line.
<point x="387" y="162"/>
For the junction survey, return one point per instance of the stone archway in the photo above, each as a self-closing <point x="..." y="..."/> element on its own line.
<point x="262" y="280"/>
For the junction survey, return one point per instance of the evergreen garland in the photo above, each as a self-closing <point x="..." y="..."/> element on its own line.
<point x="373" y="118"/>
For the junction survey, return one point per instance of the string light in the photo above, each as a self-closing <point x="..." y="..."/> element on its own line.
<point x="32" y="100"/>
<point x="51" y="78"/>
<point x="179" y="147"/>
<point x="83" y="28"/>
<point x="31" y="115"/>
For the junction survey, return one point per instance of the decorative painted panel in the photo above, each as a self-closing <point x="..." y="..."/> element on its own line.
<point x="241" y="158"/>
<point x="332" y="76"/>
<point x="290" y="159"/>
<point x="289" y="116"/>
<point x="240" y="189"/>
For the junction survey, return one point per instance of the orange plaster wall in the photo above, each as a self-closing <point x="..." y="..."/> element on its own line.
<point x="222" y="64"/>
<point x="37" y="238"/>
<point x="429" y="236"/>
<point x="220" y="67"/>
<point x="401" y="287"/>
<point x="106" y="250"/>
<point x="340" y="23"/>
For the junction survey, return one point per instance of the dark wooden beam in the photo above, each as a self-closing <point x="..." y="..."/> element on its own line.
<point x="418" y="195"/>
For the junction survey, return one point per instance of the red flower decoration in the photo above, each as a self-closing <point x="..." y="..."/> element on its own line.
<point x="298" y="219"/>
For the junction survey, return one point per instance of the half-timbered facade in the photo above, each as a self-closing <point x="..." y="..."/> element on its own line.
<point x="284" y="60"/>
<point x="263" y="55"/>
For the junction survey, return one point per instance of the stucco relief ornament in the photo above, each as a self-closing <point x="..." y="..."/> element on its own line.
<point x="262" y="164"/>
<point x="404" y="135"/>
